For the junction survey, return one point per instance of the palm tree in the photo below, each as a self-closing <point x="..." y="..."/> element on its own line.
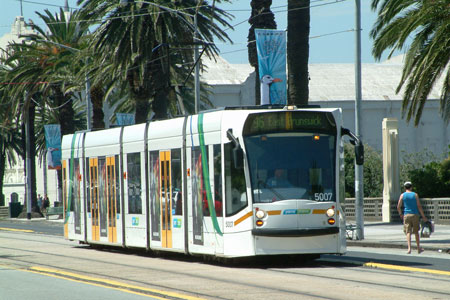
<point x="137" y="40"/>
<point x="427" y="24"/>
<point x="261" y="17"/>
<point x="44" y="69"/>
<point x="298" y="51"/>
<point x="10" y="142"/>
<point x="59" y="47"/>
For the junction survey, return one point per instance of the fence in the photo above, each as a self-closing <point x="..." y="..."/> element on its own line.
<point x="436" y="209"/>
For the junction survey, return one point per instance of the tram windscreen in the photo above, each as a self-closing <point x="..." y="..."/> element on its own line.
<point x="292" y="164"/>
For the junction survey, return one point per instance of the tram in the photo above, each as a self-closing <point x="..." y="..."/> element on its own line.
<point x="234" y="182"/>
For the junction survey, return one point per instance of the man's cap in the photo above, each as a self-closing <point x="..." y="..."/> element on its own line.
<point x="407" y="183"/>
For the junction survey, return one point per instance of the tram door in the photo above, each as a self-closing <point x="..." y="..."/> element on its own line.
<point x="93" y="166"/>
<point x="111" y="196"/>
<point x="166" y="198"/>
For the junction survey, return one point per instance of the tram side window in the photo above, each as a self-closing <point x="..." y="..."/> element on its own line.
<point x="218" y="180"/>
<point x="74" y="172"/>
<point x="235" y="189"/>
<point x="134" y="183"/>
<point x="87" y="185"/>
<point x="177" y="200"/>
<point x="117" y="182"/>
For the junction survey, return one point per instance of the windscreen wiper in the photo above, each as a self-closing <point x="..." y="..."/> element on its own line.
<point x="271" y="189"/>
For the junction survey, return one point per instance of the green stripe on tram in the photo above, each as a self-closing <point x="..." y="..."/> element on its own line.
<point x="71" y="174"/>
<point x="205" y="167"/>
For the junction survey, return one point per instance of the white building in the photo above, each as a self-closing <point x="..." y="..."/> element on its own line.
<point x="333" y="85"/>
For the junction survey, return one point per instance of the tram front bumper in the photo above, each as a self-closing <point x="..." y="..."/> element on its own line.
<point x="304" y="232"/>
<point x="297" y="241"/>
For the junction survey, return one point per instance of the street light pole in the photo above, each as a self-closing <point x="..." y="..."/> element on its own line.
<point x="28" y="156"/>
<point x="197" y="68"/>
<point x="88" y="101"/>
<point x="359" y="191"/>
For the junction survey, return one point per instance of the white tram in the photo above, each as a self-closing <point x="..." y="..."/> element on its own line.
<point x="227" y="183"/>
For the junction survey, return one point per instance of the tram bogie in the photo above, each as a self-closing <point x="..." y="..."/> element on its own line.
<point x="179" y="186"/>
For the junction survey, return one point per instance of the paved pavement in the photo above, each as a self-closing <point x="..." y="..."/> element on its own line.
<point x="390" y="235"/>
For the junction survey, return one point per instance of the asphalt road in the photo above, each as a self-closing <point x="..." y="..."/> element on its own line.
<point x="48" y="266"/>
<point x="39" y="287"/>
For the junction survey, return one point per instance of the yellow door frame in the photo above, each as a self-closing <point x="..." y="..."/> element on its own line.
<point x="93" y="173"/>
<point x="111" y="192"/>
<point x="166" y="196"/>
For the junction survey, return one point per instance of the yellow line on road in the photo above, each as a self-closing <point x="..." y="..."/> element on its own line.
<point x="14" y="229"/>
<point x="403" y="268"/>
<point x="110" y="284"/>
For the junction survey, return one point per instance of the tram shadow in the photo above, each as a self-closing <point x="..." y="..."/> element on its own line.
<point x="279" y="261"/>
<point x="257" y="262"/>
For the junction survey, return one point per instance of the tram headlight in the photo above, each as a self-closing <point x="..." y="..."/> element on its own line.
<point x="260" y="214"/>
<point x="330" y="212"/>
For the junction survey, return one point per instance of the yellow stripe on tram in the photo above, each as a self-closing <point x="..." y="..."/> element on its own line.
<point x="243" y="218"/>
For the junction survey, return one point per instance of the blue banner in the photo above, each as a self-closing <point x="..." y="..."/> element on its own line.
<point x="53" y="143"/>
<point x="271" y="49"/>
<point x="124" y="119"/>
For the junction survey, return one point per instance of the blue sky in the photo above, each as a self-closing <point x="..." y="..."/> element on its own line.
<point x="327" y="18"/>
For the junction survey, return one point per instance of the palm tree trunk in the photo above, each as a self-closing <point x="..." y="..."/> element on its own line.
<point x="66" y="121"/>
<point x="2" y="169"/>
<point x="97" y="95"/>
<point x="298" y="51"/>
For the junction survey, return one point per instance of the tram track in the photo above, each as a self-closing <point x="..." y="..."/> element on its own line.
<point x="84" y="261"/>
<point x="444" y="281"/>
<point x="26" y="265"/>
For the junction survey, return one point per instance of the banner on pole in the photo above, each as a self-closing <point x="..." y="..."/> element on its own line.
<point x="271" y="49"/>
<point x="124" y="119"/>
<point x="53" y="144"/>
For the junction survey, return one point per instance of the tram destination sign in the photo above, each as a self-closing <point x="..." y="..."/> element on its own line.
<point x="285" y="121"/>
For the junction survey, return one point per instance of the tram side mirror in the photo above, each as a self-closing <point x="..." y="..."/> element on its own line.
<point x="359" y="147"/>
<point x="359" y="154"/>
<point x="238" y="157"/>
<point x="237" y="152"/>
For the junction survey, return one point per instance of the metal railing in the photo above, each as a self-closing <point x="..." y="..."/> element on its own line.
<point x="436" y="209"/>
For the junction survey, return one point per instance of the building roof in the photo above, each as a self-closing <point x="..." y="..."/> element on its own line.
<point x="220" y="72"/>
<point x="328" y="81"/>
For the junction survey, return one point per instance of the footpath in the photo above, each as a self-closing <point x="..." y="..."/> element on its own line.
<point x="390" y="235"/>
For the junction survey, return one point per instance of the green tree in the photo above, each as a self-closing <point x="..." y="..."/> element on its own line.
<point x="10" y="140"/>
<point x="261" y="18"/>
<point x="426" y="25"/>
<point x="137" y="38"/>
<point x="43" y="68"/>
<point x="298" y="51"/>
<point x="373" y="171"/>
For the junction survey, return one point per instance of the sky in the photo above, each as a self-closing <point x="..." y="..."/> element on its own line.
<point x="332" y="36"/>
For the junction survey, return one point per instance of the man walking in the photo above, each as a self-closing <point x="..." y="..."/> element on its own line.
<point x="410" y="216"/>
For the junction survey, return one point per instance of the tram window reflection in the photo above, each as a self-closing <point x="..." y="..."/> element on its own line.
<point x="177" y="200"/>
<point x="236" y="196"/>
<point x="134" y="183"/>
